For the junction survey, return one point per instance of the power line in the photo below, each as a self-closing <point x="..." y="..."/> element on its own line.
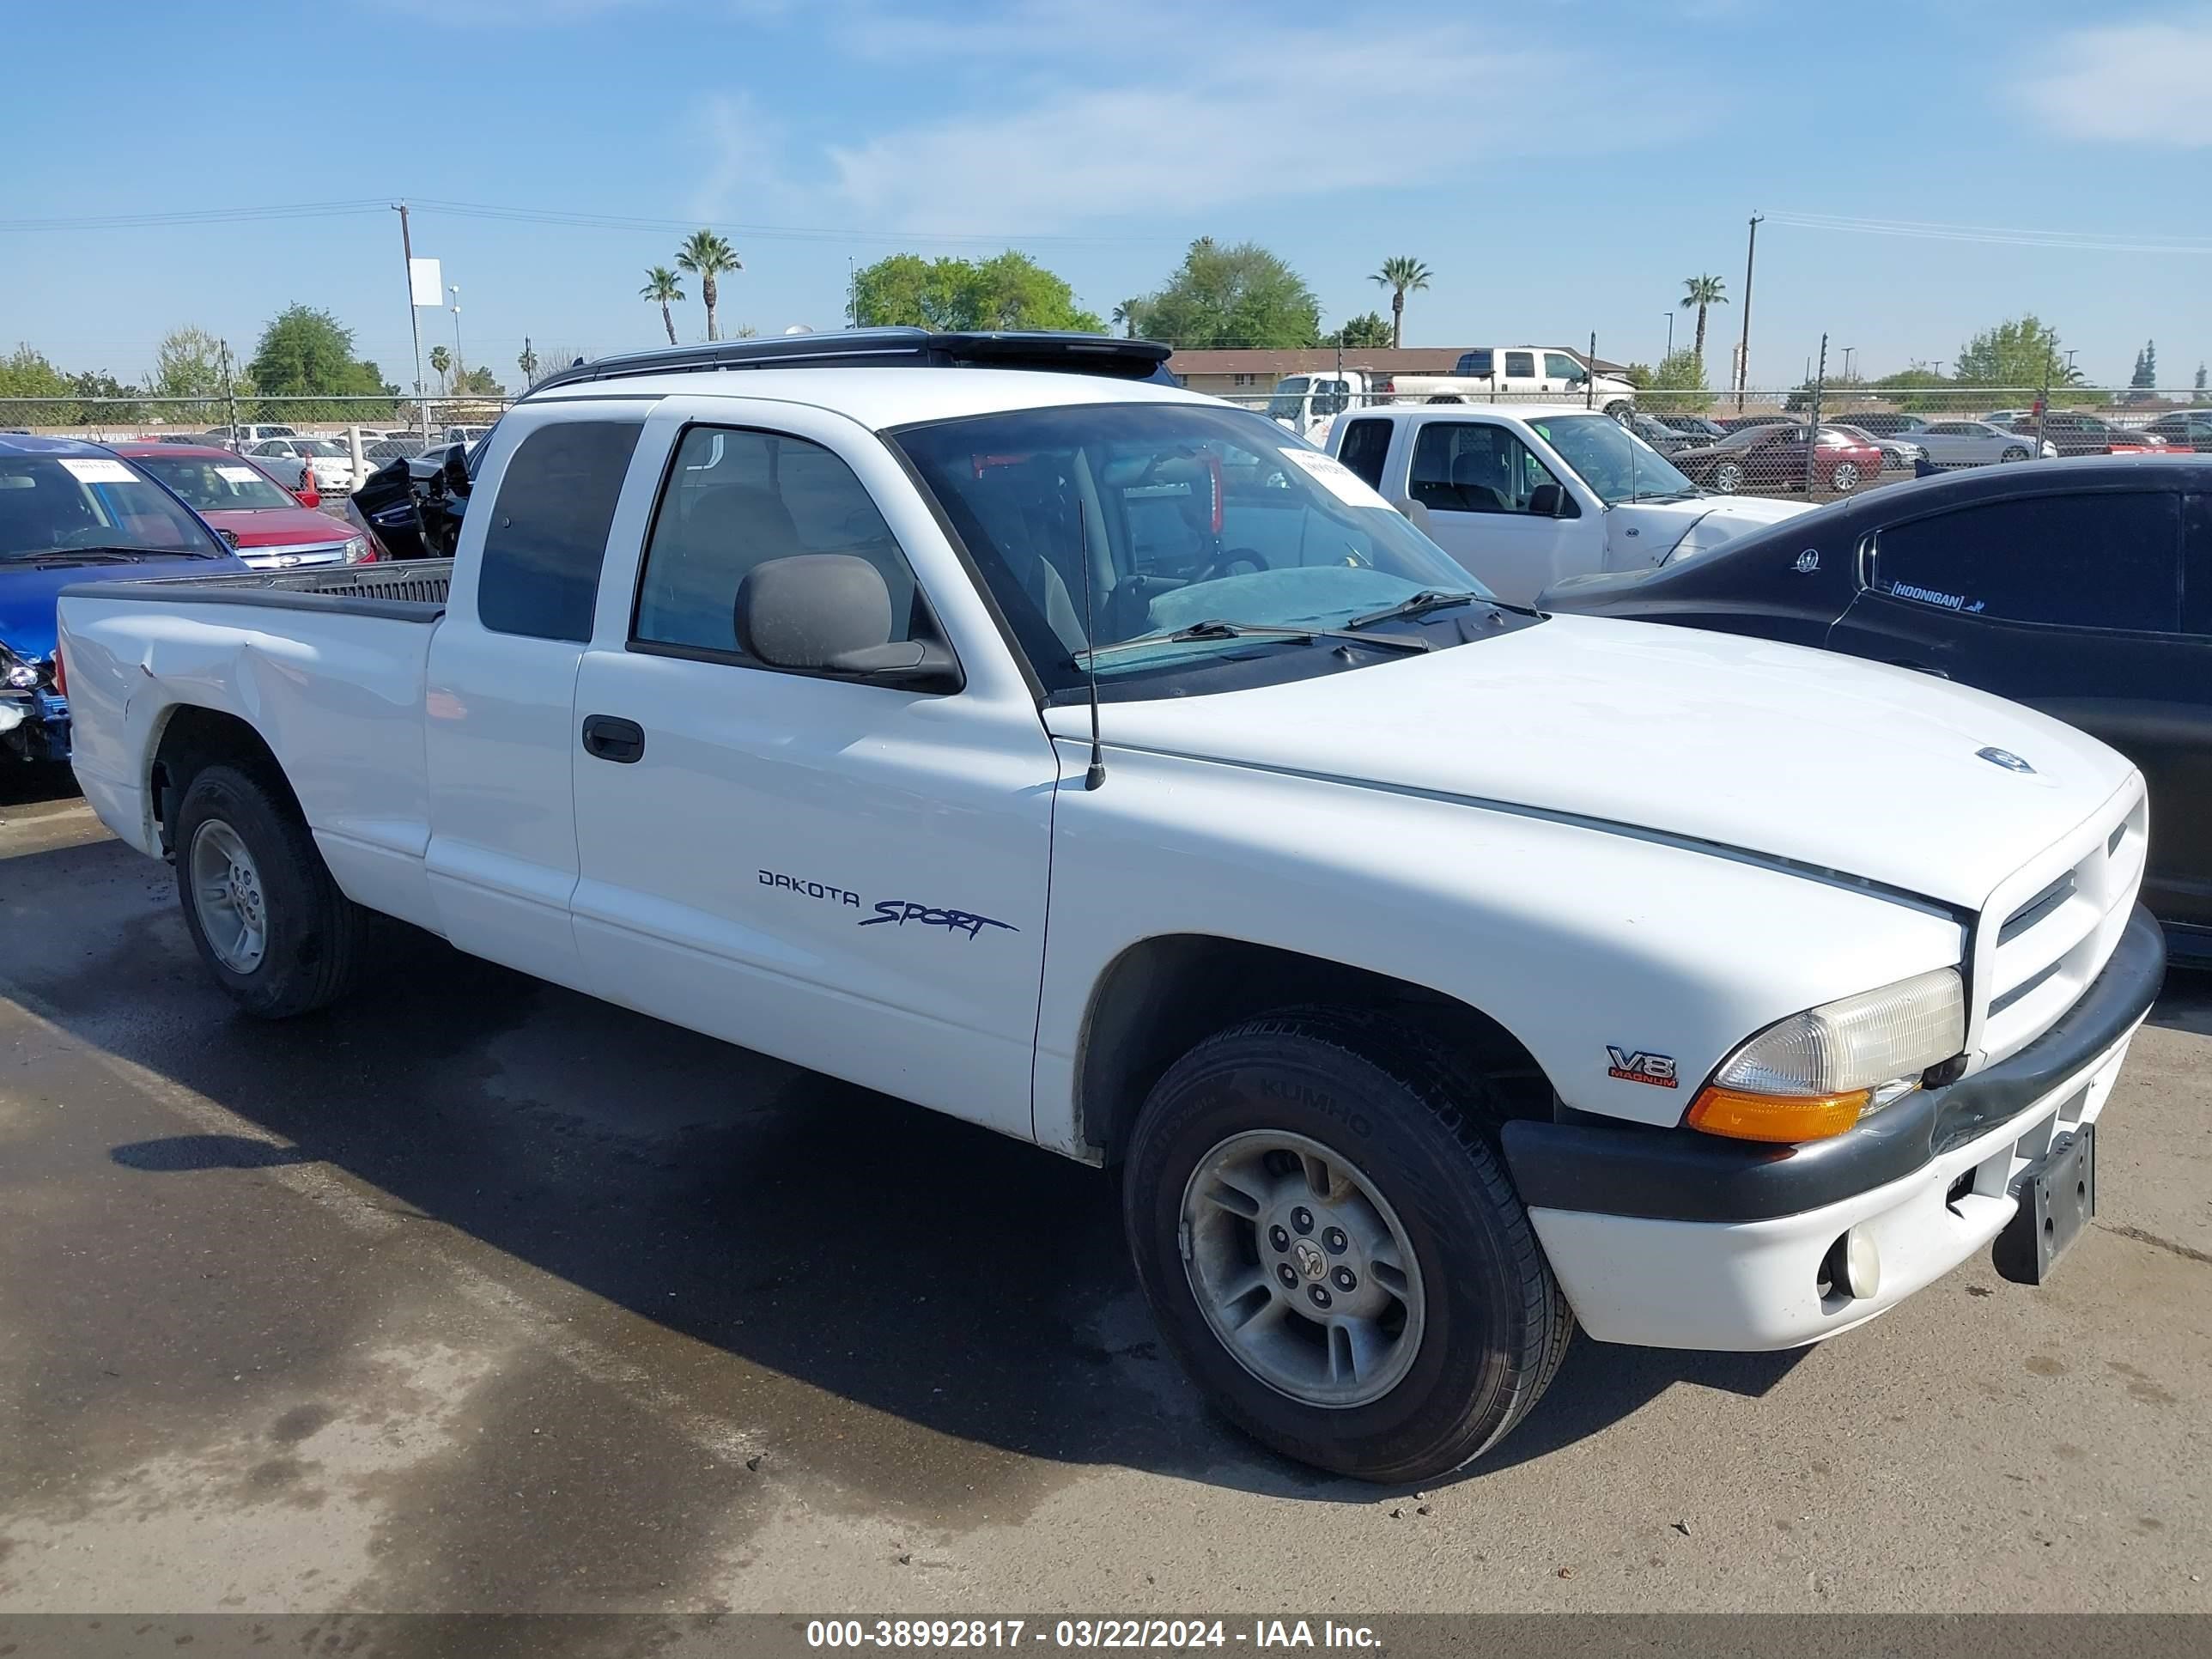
<point x="2086" y="241"/>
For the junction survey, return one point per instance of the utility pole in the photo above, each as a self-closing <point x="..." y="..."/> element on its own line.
<point x="1670" y="334"/>
<point x="414" y="319"/>
<point x="455" y="288"/>
<point x="1743" y="351"/>
<point x="229" y="389"/>
<point x="1848" y="351"/>
<point x="1589" y="375"/>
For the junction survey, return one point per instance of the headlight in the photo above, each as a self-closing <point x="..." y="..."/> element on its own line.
<point x="15" y="673"/>
<point x="356" y="551"/>
<point x="2050" y="450"/>
<point x="1817" y="1073"/>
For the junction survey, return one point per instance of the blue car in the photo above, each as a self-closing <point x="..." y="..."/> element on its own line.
<point x="73" y="512"/>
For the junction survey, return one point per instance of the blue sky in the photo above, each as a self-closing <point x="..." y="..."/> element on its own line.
<point x="1562" y="166"/>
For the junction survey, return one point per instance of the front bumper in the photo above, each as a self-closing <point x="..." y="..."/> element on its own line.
<point x="1671" y="1238"/>
<point x="34" y="726"/>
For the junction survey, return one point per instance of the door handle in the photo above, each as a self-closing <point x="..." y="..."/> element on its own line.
<point x="608" y="738"/>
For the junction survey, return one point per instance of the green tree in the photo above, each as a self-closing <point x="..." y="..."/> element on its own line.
<point x="663" y="286"/>
<point x="1240" y="295"/>
<point x="527" y="361"/>
<point x="24" y="373"/>
<point x="305" y="353"/>
<point x="477" y="382"/>
<point x="1010" y="290"/>
<point x="1125" y="317"/>
<point x="106" y="401"/>
<point x="707" y="256"/>
<point x="1402" y="275"/>
<point x="440" y="361"/>
<point x="2200" y="376"/>
<point x="188" y="363"/>
<point x="1918" y="391"/>
<point x="2145" y="379"/>
<point x="1677" y="385"/>
<point x="2016" y="355"/>
<point x="1368" y="332"/>
<point x="1699" y="292"/>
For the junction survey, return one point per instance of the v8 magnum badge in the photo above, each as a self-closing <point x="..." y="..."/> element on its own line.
<point x="1657" y="1070"/>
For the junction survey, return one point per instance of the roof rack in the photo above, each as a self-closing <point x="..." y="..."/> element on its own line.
<point x="857" y="348"/>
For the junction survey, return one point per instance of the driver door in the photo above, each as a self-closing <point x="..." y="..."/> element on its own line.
<point x="1477" y="479"/>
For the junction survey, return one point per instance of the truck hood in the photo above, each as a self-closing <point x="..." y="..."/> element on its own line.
<point x="26" y="593"/>
<point x="1797" y="755"/>
<point x="1640" y="533"/>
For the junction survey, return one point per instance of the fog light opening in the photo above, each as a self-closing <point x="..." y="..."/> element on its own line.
<point x="1851" y="1270"/>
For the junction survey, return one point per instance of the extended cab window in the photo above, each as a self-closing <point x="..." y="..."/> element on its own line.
<point x="2091" y="561"/>
<point x="1366" y="444"/>
<point x="737" y="498"/>
<point x="1471" y="467"/>
<point x="548" y="536"/>
<point x="1520" y="365"/>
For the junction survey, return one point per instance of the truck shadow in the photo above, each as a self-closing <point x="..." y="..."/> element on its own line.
<point x="836" y="1246"/>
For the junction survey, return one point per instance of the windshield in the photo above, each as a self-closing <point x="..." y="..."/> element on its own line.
<point x="215" y="486"/>
<point x="1184" y="513"/>
<point x="53" y="503"/>
<point x="1745" y="436"/>
<point x="1612" y="461"/>
<point x="1288" y="402"/>
<point x="314" y="446"/>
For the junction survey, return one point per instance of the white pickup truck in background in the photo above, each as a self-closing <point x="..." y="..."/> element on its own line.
<point x="1083" y="759"/>
<point x="1522" y="496"/>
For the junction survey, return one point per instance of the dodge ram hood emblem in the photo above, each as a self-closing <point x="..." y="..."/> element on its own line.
<point x="2006" y="758"/>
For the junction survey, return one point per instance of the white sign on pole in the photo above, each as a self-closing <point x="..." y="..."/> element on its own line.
<point x="425" y="287"/>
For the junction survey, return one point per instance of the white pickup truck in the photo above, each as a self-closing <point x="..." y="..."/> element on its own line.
<point x="1091" y="761"/>
<point x="1522" y="496"/>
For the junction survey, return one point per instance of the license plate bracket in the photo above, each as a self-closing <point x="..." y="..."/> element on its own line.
<point x="2057" y="1198"/>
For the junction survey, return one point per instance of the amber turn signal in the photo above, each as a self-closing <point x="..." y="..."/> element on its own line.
<point x="1743" y="1117"/>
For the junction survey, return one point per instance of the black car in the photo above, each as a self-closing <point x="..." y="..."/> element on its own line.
<point x="2071" y="433"/>
<point x="2080" y="587"/>
<point x="1697" y="428"/>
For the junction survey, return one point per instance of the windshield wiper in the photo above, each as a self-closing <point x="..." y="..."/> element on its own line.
<point x="1428" y="599"/>
<point x="1217" y="629"/>
<point x="113" y="553"/>
<point x="1691" y="494"/>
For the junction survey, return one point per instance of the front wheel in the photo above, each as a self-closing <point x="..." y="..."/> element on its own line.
<point x="1728" y="477"/>
<point x="1335" y="1253"/>
<point x="268" y="921"/>
<point x="2014" y="453"/>
<point x="1845" y="478"/>
<point x="1621" y="411"/>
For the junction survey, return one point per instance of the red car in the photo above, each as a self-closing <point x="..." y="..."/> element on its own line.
<point x="1772" y="457"/>
<point x="272" y="528"/>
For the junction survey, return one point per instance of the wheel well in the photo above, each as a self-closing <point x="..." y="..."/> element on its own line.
<point x="1162" y="995"/>
<point x="195" y="739"/>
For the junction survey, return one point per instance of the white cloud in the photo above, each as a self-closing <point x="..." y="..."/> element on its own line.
<point x="2126" y="82"/>
<point x="1075" y="132"/>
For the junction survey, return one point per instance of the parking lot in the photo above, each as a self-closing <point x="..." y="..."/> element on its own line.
<point x="476" y="1294"/>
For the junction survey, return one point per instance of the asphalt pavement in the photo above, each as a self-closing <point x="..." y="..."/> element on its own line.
<point x="476" y="1294"/>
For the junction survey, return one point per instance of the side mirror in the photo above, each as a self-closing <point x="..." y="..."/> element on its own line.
<point x="830" y="613"/>
<point x="453" y="471"/>
<point x="1417" y="514"/>
<point x="1548" y="501"/>
<point x="308" y="494"/>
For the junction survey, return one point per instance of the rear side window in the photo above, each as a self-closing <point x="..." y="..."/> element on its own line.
<point x="2197" y="560"/>
<point x="1366" y="443"/>
<point x="2101" y="560"/>
<point x="540" y="574"/>
<point x="1521" y="365"/>
<point x="1478" y="363"/>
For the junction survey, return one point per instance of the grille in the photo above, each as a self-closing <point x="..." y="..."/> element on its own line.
<point x="2056" y="923"/>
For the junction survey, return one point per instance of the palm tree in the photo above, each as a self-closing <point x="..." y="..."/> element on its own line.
<point x="440" y="361"/>
<point x="706" y="256"/>
<point x="1126" y="315"/>
<point x="1401" y="276"/>
<point x="664" y="285"/>
<point x="1699" y="292"/>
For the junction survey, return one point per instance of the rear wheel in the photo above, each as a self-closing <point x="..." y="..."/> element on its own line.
<point x="1333" y="1251"/>
<point x="1845" y="478"/>
<point x="2014" y="453"/>
<point x="1728" y="477"/>
<point x="268" y="921"/>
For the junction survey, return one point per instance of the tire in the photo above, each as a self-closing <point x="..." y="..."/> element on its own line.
<point x="1473" y="1328"/>
<point x="2012" y="453"/>
<point x="1844" y="478"/>
<point x="311" y="939"/>
<point x="1621" y="411"/>
<point x="1728" y="477"/>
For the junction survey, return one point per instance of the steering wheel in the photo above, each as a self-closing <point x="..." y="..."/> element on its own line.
<point x="1227" y="563"/>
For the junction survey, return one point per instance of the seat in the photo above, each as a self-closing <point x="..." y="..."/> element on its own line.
<point x="693" y="572"/>
<point x="1476" y="475"/>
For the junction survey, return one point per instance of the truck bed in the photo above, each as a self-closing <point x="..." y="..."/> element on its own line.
<point x="410" y="591"/>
